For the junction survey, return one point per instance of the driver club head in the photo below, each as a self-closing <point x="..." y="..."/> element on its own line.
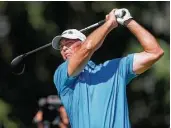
<point x="17" y="65"/>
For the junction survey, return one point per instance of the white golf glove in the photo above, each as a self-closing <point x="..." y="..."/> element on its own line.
<point x="122" y="15"/>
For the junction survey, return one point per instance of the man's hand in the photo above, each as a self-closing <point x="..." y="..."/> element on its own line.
<point x="112" y="19"/>
<point x="122" y="15"/>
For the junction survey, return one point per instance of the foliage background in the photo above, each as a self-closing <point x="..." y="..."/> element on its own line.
<point x="26" y="25"/>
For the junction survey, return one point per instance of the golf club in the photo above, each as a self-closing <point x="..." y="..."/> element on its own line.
<point x="18" y="65"/>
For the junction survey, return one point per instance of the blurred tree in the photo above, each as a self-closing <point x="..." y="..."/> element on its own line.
<point x="26" y="25"/>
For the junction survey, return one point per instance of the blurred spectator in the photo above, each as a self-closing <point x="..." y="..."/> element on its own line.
<point x="51" y="113"/>
<point x="64" y="118"/>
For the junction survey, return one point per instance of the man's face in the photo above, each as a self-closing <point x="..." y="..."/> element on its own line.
<point x="68" y="47"/>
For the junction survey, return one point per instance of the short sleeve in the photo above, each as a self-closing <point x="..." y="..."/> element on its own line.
<point x="61" y="79"/>
<point x="126" y="68"/>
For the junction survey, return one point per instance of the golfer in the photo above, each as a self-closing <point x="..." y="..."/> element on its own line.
<point x="94" y="96"/>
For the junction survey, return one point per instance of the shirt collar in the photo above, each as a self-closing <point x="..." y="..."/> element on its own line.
<point x="90" y="64"/>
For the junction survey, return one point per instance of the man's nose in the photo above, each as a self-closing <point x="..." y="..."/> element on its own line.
<point x="65" y="48"/>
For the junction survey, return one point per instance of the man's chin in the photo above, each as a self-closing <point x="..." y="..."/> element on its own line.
<point x="67" y="57"/>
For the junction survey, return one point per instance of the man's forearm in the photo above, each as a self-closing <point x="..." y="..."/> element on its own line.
<point x="96" y="38"/>
<point x="78" y="61"/>
<point x="146" y="39"/>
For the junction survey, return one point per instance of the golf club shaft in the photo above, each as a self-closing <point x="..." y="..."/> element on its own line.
<point x="38" y="49"/>
<point x="92" y="26"/>
<point x="49" y="44"/>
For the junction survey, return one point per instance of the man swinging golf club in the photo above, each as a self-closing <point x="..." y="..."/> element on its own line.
<point x="94" y="96"/>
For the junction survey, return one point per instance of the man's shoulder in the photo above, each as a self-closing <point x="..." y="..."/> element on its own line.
<point x="123" y="58"/>
<point x="115" y="62"/>
<point x="61" y="66"/>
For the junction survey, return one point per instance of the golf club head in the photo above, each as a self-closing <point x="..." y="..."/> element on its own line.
<point x="18" y="65"/>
